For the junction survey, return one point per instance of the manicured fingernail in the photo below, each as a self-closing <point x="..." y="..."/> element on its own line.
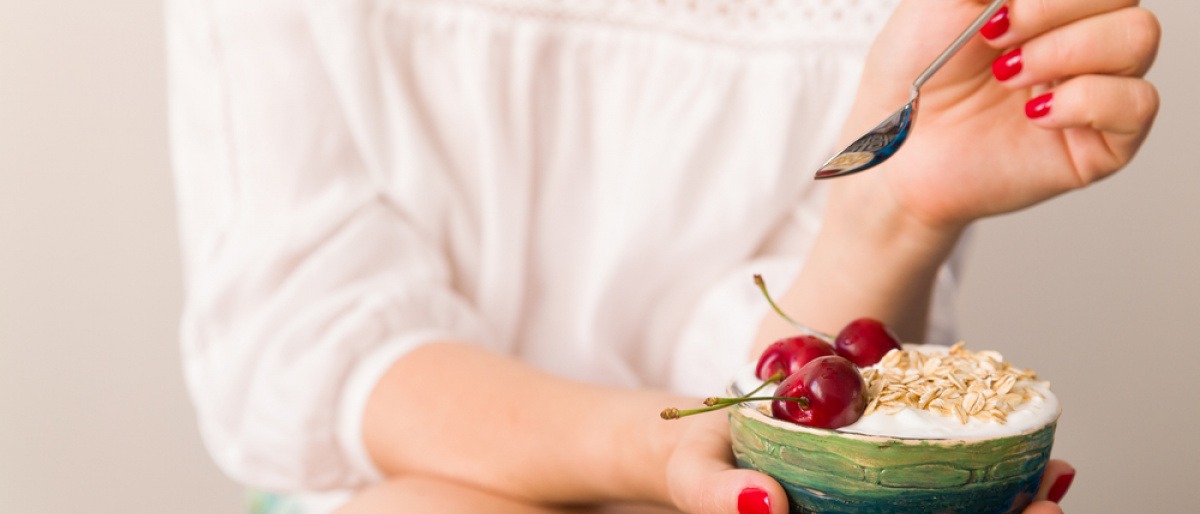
<point x="996" y="26"/>
<point x="1008" y="65"/>
<point x="1039" y="107"/>
<point x="753" y="500"/>
<point x="1059" y="489"/>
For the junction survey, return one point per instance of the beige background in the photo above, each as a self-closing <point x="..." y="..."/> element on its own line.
<point x="1101" y="290"/>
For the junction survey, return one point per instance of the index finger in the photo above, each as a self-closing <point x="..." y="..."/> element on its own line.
<point x="1056" y="480"/>
<point x="1022" y="20"/>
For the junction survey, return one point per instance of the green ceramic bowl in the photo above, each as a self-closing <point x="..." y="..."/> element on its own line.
<point x="832" y="472"/>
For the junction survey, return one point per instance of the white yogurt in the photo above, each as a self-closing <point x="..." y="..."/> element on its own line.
<point x="910" y="422"/>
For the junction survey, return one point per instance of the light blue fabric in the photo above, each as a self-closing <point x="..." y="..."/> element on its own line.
<point x="325" y="502"/>
<point x="268" y="503"/>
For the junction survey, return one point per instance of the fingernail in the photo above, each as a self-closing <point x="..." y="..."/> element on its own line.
<point x="1059" y="489"/>
<point x="996" y="26"/>
<point x="753" y="500"/>
<point x="1037" y="108"/>
<point x="1007" y="65"/>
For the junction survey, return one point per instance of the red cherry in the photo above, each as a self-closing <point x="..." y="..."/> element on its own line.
<point x="786" y="356"/>
<point x="865" y="341"/>
<point x="830" y="391"/>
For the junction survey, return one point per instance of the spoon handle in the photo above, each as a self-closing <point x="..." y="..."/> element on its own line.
<point x="956" y="45"/>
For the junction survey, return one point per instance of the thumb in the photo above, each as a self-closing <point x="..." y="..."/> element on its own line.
<point x="916" y="33"/>
<point x="703" y="480"/>
<point x="920" y="30"/>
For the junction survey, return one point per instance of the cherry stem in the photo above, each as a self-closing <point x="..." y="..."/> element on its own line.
<point x="673" y="413"/>
<point x="721" y="403"/>
<point x="778" y="376"/>
<point x="762" y="286"/>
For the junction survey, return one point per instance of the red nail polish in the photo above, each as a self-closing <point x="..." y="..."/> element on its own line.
<point x="1059" y="489"/>
<point x="996" y="26"/>
<point x="1039" y="107"/>
<point x="753" y="500"/>
<point x="1008" y="65"/>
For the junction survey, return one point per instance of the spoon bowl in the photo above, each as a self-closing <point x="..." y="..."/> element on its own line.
<point x="873" y="147"/>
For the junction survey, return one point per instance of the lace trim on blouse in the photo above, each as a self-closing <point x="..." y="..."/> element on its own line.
<point x="734" y="21"/>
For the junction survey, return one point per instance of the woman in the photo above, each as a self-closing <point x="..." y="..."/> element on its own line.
<point x="455" y="256"/>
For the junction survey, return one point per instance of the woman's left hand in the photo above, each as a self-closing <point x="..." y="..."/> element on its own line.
<point x="1055" y="100"/>
<point x="1055" y="481"/>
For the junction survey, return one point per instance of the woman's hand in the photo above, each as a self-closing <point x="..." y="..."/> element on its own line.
<point x="702" y="479"/>
<point x="1066" y="106"/>
<point x="1055" y="482"/>
<point x="1053" y="102"/>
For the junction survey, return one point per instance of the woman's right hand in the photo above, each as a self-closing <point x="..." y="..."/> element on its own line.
<point x="702" y="478"/>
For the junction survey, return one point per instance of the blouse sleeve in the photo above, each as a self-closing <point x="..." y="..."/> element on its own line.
<point x="304" y="281"/>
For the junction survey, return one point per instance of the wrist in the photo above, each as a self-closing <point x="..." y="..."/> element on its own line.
<point x="871" y="258"/>
<point x="862" y="214"/>
<point x="662" y="440"/>
<point x="881" y="258"/>
<point x="637" y="444"/>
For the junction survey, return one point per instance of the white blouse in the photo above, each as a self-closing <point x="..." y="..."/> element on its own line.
<point x="587" y="185"/>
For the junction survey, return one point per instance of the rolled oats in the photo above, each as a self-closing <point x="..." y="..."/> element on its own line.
<point x="961" y="384"/>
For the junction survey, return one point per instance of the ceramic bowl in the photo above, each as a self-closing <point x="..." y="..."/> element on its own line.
<point x="832" y="472"/>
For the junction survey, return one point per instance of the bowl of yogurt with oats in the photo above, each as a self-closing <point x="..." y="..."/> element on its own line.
<point x="946" y="430"/>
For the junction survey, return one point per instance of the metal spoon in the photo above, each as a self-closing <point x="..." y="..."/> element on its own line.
<point x="881" y="143"/>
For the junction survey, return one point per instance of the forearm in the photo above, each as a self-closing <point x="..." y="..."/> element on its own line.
<point x="457" y="412"/>
<point x="869" y="259"/>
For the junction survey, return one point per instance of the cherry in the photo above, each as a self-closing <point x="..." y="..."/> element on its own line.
<point x="788" y="355"/>
<point x="865" y="341"/>
<point x="828" y="392"/>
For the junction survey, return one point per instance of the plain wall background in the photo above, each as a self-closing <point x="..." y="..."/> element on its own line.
<point x="1099" y="291"/>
